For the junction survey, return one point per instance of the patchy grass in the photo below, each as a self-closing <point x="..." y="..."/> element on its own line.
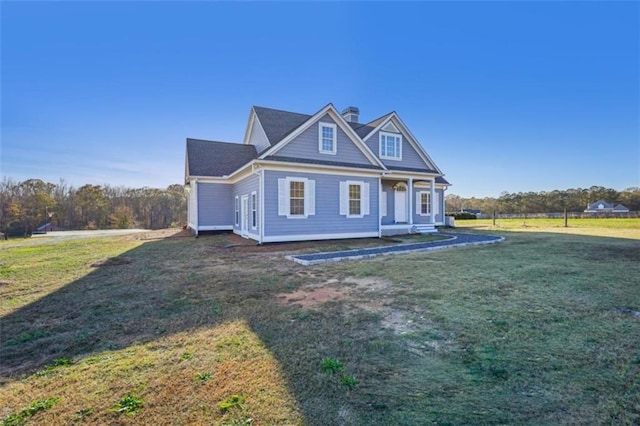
<point x="538" y="329"/>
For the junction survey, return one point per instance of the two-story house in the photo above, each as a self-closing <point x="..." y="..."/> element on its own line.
<point x="302" y="177"/>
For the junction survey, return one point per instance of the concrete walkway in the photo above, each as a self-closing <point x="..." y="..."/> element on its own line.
<point x="454" y="240"/>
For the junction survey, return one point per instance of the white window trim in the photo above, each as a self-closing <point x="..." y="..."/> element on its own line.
<point x="237" y="211"/>
<point x="309" y="197"/>
<point x="386" y="157"/>
<point x="364" y="199"/>
<point x="335" y="138"/>
<point x="419" y="203"/>
<point x="254" y="208"/>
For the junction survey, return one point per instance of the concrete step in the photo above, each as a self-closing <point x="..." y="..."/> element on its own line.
<point x="425" y="228"/>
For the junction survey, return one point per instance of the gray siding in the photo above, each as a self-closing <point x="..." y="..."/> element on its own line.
<point x="245" y="187"/>
<point x="417" y="219"/>
<point x="389" y="218"/>
<point x="214" y="200"/>
<point x="327" y="219"/>
<point x="440" y="216"/>
<point x="258" y="138"/>
<point x="410" y="157"/>
<point x="191" y="206"/>
<point x="306" y="146"/>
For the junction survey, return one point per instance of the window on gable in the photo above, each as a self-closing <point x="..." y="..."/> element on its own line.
<point x="254" y="211"/>
<point x="296" y="197"/>
<point x="354" y="199"/>
<point x="390" y="146"/>
<point x="327" y="138"/>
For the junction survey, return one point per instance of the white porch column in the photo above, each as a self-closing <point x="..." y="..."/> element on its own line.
<point x="433" y="201"/>
<point x="380" y="189"/>
<point x="410" y="201"/>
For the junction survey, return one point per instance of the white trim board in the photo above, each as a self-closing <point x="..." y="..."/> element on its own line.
<point x="314" y="237"/>
<point x="216" y="228"/>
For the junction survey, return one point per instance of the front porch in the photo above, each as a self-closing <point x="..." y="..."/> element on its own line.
<point x="410" y="205"/>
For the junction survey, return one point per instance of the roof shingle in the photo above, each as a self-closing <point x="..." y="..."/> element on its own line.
<point x="211" y="158"/>
<point x="277" y="123"/>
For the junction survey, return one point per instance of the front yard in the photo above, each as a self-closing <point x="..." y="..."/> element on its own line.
<point x="131" y="330"/>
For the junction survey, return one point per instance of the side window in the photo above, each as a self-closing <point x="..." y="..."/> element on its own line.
<point x="296" y="197"/>
<point x="237" y="215"/>
<point x="354" y="199"/>
<point x="254" y="210"/>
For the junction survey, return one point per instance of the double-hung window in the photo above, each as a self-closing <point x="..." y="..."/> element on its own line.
<point x="390" y="146"/>
<point x="327" y="138"/>
<point x="425" y="205"/>
<point x="296" y="197"/>
<point x="354" y="199"/>
<point x="237" y="211"/>
<point x="424" y="198"/>
<point x="254" y="210"/>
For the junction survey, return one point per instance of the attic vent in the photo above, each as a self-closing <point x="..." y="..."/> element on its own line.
<point x="351" y="114"/>
<point x="390" y="127"/>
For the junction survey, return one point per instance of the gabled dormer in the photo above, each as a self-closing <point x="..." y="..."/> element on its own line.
<point x="325" y="137"/>
<point x="390" y="139"/>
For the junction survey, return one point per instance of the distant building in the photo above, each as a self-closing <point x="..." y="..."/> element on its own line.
<point x="471" y="211"/>
<point x="602" y="206"/>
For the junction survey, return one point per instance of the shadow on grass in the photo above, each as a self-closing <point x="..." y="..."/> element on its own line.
<point x="167" y="287"/>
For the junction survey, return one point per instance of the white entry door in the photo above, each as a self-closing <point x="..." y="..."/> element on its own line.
<point x="244" y="215"/>
<point x="400" y="202"/>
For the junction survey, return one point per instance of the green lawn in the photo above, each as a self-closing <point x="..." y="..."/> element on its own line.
<point x="540" y="329"/>
<point x="606" y="227"/>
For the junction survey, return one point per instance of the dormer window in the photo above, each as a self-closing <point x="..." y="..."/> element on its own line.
<point x="390" y="146"/>
<point x="327" y="139"/>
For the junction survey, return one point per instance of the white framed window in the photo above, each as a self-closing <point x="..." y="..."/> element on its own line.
<point x="296" y="197"/>
<point x="354" y="199"/>
<point x="237" y="215"/>
<point x="424" y="206"/>
<point x="423" y="203"/>
<point x="327" y="138"/>
<point x="254" y="210"/>
<point x="390" y="146"/>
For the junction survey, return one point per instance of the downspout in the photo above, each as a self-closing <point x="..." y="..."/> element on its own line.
<point x="379" y="205"/>
<point x="433" y="201"/>
<point x="260" y="174"/>
<point x="262" y="221"/>
<point x="410" y="201"/>
<point x="195" y="213"/>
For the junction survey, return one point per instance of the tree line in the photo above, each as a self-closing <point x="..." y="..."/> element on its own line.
<point x="574" y="200"/>
<point x="27" y="205"/>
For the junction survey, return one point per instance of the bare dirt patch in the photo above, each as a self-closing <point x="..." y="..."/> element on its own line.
<point x="309" y="297"/>
<point x="334" y="289"/>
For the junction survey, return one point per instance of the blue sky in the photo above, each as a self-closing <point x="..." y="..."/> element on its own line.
<point x="504" y="96"/>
